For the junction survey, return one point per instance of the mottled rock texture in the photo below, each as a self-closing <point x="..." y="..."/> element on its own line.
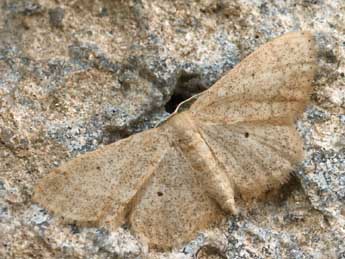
<point x="75" y="75"/>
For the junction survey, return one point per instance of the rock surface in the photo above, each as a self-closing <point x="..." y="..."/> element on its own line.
<point x="75" y="75"/>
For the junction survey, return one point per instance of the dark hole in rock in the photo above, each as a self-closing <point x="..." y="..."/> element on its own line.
<point x="281" y="195"/>
<point x="125" y="226"/>
<point x="103" y="12"/>
<point x="174" y="101"/>
<point x="74" y="229"/>
<point x="246" y="134"/>
<point x="209" y="251"/>
<point x="330" y="57"/>
<point x="159" y="194"/>
<point x="56" y="17"/>
<point x="310" y="2"/>
<point x="2" y="185"/>
<point x="112" y="134"/>
<point x="187" y="85"/>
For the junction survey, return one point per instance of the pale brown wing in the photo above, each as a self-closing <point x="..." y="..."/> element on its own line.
<point x="173" y="206"/>
<point x="247" y="117"/>
<point x="271" y="84"/>
<point x="142" y="178"/>
<point x="98" y="187"/>
<point x="258" y="157"/>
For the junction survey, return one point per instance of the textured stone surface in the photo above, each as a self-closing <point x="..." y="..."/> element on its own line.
<point x="75" y="75"/>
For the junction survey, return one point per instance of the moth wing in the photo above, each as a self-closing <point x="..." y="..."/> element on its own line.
<point x="173" y="206"/>
<point x="274" y="82"/>
<point x="98" y="187"/>
<point x="257" y="157"/>
<point x="247" y="117"/>
<point x="142" y="178"/>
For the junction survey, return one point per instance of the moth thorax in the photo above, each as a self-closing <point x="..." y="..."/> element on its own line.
<point x="184" y="128"/>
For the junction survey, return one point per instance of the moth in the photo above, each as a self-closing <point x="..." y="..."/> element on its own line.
<point x="236" y="141"/>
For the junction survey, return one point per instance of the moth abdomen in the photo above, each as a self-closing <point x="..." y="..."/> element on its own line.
<point x="207" y="169"/>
